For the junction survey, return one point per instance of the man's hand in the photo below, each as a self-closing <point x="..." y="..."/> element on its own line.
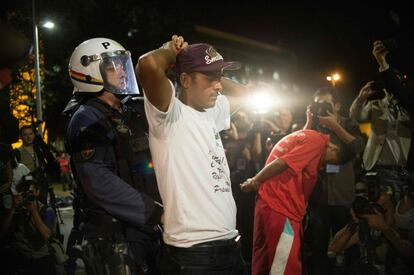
<point x="353" y="216"/>
<point x="31" y="207"/>
<point x="328" y="121"/>
<point x="376" y="221"/>
<point x="17" y="200"/>
<point x="250" y="185"/>
<point x="309" y="118"/>
<point x="380" y="52"/>
<point x="365" y="92"/>
<point x="176" y="44"/>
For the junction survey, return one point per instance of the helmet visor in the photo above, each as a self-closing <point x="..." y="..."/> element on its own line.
<point x="118" y="73"/>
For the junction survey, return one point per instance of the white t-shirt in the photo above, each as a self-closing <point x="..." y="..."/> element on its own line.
<point x="18" y="173"/>
<point x="192" y="172"/>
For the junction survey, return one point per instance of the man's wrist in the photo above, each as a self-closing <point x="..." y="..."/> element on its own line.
<point x="255" y="182"/>
<point x="352" y="227"/>
<point x="360" y="100"/>
<point x="383" y="67"/>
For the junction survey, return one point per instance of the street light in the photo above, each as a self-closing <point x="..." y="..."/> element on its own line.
<point x="49" y="25"/>
<point x="333" y="78"/>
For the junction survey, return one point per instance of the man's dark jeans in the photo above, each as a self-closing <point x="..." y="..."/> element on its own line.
<point x="211" y="258"/>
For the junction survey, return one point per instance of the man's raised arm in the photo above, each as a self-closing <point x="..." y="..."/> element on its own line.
<point x="151" y="70"/>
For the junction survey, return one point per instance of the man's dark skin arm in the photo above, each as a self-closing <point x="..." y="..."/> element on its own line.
<point x="151" y="69"/>
<point x="272" y="169"/>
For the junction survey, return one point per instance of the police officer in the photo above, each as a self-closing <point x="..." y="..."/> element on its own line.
<point x="109" y="153"/>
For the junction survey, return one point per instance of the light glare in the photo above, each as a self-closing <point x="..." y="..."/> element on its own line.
<point x="49" y="25"/>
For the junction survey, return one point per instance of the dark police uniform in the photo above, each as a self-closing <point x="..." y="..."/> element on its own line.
<point x="110" y="155"/>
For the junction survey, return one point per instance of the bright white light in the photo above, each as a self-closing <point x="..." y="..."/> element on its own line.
<point x="276" y="76"/>
<point x="261" y="101"/>
<point x="329" y="78"/>
<point x="49" y="25"/>
<point x="336" y="77"/>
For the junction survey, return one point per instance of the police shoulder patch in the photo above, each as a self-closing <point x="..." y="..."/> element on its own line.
<point x="87" y="150"/>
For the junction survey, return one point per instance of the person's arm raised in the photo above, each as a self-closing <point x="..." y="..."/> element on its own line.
<point x="151" y="70"/>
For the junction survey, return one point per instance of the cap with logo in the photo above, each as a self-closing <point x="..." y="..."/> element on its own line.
<point x="202" y="57"/>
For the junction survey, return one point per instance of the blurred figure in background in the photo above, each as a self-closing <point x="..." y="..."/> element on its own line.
<point x="335" y="189"/>
<point x="30" y="225"/>
<point x="19" y="170"/>
<point x="394" y="83"/>
<point x="65" y="173"/>
<point x="388" y="144"/>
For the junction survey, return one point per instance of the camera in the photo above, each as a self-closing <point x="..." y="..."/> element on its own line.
<point x="23" y="188"/>
<point x="362" y="206"/>
<point x="28" y="197"/>
<point x="378" y="87"/>
<point x="366" y="203"/>
<point x="320" y="108"/>
<point x="390" y="44"/>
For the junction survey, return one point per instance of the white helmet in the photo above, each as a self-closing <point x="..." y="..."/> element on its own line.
<point x="102" y="63"/>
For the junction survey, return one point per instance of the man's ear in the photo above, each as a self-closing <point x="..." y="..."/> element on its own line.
<point x="332" y="146"/>
<point x="185" y="80"/>
<point x="337" y="106"/>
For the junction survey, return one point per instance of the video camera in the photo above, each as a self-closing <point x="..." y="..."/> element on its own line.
<point x="320" y="108"/>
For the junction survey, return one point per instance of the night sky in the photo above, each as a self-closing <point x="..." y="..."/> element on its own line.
<point x="322" y="38"/>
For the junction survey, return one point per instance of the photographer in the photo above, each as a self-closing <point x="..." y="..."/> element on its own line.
<point x="36" y="155"/>
<point x="269" y="128"/>
<point x="361" y="230"/>
<point x="387" y="150"/>
<point x="335" y="189"/>
<point x="30" y="226"/>
<point x="393" y="83"/>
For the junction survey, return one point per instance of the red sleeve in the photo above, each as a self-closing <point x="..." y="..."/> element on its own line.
<point x="304" y="150"/>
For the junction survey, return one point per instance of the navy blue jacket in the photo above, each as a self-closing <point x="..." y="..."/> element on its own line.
<point x="91" y="139"/>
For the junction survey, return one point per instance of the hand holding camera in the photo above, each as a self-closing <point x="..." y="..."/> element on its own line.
<point x="329" y="121"/>
<point x="366" y="92"/>
<point x="322" y="116"/>
<point x="376" y="220"/>
<point x="381" y="49"/>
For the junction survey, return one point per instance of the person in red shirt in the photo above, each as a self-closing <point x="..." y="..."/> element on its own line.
<point x="284" y="186"/>
<point x="65" y="172"/>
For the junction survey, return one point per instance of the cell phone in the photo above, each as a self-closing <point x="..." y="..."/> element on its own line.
<point x="390" y="44"/>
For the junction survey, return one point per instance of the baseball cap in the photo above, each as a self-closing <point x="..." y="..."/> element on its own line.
<point x="202" y="57"/>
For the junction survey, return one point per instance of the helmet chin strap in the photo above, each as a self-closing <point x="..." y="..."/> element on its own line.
<point x="124" y="98"/>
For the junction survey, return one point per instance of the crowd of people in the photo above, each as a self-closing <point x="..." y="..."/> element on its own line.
<point x="178" y="178"/>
